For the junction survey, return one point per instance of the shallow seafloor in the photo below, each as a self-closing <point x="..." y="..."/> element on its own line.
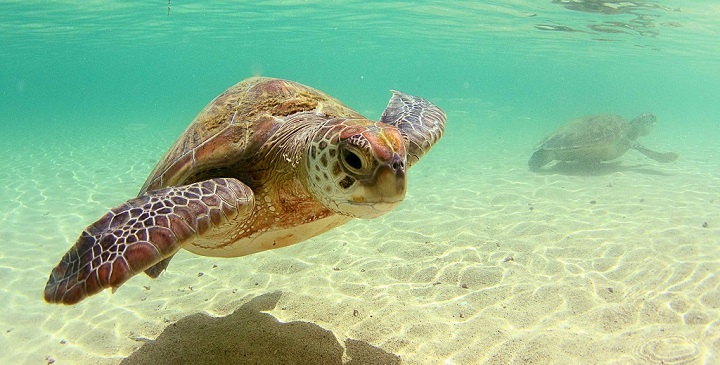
<point x="484" y="262"/>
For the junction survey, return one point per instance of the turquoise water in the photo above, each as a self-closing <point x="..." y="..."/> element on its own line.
<point x="92" y="93"/>
<point x="131" y="60"/>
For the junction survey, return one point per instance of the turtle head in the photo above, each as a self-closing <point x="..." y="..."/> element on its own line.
<point x="356" y="167"/>
<point x="643" y="124"/>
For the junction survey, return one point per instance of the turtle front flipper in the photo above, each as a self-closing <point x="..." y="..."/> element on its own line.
<point x="539" y="159"/>
<point x="144" y="231"/>
<point x="657" y="156"/>
<point x="421" y="123"/>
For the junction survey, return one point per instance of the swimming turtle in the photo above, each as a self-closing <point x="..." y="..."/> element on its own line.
<point x="268" y="163"/>
<point x="597" y="138"/>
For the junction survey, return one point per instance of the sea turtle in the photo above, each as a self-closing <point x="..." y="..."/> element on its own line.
<point x="597" y="138"/>
<point x="268" y="163"/>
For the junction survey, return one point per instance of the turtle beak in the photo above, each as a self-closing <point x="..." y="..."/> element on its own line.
<point x="382" y="191"/>
<point x="389" y="180"/>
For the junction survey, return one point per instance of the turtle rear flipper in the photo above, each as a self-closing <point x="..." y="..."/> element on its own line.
<point x="657" y="156"/>
<point x="143" y="232"/>
<point x="157" y="269"/>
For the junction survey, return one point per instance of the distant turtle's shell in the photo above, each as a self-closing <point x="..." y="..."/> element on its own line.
<point x="592" y="132"/>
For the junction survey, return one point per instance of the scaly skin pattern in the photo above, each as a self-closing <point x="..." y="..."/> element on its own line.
<point x="141" y="232"/>
<point x="268" y="163"/>
<point x="420" y="122"/>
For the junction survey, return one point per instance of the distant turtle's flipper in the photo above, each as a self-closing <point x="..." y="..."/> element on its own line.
<point x="539" y="159"/>
<point x="657" y="156"/>
<point x="143" y="232"/>
<point x="420" y="122"/>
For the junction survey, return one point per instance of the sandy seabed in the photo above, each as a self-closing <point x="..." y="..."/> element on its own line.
<point x="484" y="263"/>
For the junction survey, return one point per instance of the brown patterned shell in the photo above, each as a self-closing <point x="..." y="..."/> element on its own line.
<point x="227" y="136"/>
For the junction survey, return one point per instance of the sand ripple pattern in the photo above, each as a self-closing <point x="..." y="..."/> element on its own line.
<point x="671" y="350"/>
<point x="488" y="264"/>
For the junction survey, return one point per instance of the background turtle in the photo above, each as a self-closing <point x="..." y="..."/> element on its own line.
<point x="597" y="138"/>
<point x="267" y="164"/>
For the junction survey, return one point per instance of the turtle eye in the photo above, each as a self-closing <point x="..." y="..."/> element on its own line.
<point x="352" y="160"/>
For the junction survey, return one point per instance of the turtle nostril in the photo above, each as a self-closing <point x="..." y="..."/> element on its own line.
<point x="397" y="163"/>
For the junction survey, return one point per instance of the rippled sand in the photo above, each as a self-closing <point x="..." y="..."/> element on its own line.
<point x="485" y="262"/>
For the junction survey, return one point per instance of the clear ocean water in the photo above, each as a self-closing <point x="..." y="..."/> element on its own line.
<point x="614" y="265"/>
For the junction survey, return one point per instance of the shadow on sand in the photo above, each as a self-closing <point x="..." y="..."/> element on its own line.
<point x="596" y="169"/>
<point x="249" y="336"/>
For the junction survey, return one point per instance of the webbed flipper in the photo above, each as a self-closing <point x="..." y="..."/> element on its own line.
<point x="143" y="232"/>
<point x="657" y="156"/>
<point x="420" y="122"/>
